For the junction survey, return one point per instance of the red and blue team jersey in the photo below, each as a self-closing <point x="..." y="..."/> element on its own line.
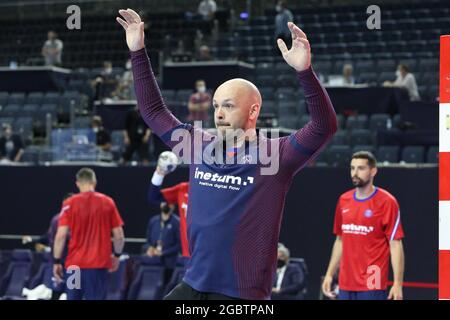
<point x="234" y="213"/>
<point x="90" y="216"/>
<point x="366" y="227"/>
<point x="178" y="194"/>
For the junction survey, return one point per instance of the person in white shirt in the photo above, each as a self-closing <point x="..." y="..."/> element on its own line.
<point x="52" y="50"/>
<point x="347" y="75"/>
<point x="207" y="9"/>
<point x="405" y="79"/>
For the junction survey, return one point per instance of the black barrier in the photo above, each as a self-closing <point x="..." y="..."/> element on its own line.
<point x="30" y="196"/>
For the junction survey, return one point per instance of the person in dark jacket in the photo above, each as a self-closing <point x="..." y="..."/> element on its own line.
<point x="289" y="278"/>
<point x="163" y="239"/>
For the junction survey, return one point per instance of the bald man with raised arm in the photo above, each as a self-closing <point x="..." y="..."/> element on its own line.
<point x="235" y="206"/>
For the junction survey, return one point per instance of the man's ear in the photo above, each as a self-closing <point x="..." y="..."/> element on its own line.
<point x="254" y="111"/>
<point x="374" y="171"/>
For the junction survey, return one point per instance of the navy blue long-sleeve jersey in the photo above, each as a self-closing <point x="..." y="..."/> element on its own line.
<point x="234" y="213"/>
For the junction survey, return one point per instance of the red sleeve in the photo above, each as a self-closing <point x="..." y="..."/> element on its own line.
<point x="391" y="221"/>
<point x="171" y="194"/>
<point x="116" y="220"/>
<point x="337" y="229"/>
<point x="65" y="215"/>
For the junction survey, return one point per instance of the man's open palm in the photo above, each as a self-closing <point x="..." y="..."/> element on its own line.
<point x="299" y="56"/>
<point x="134" y="29"/>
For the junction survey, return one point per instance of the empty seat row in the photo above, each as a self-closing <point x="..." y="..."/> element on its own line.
<point x="340" y="155"/>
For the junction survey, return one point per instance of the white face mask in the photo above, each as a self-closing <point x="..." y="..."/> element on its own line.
<point x="397" y="73"/>
<point x="201" y="89"/>
<point x="278" y="8"/>
<point x="128" y="65"/>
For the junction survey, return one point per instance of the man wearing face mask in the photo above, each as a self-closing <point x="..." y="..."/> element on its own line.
<point x="103" y="139"/>
<point x="11" y="145"/>
<point x="199" y="103"/>
<point x="163" y="239"/>
<point x="125" y="90"/>
<point x="405" y="79"/>
<point x="282" y="18"/>
<point x="289" y="277"/>
<point x="368" y="231"/>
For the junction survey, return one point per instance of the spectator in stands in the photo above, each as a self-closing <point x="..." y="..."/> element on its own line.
<point x="204" y="54"/>
<point x="103" y="139"/>
<point x="163" y="239"/>
<point x="405" y="79"/>
<point x="52" y="49"/>
<point x="136" y="136"/>
<point x="347" y="75"/>
<point x="105" y="82"/>
<point x="199" y="103"/>
<point x="283" y="16"/>
<point x="125" y="89"/>
<point x="207" y="9"/>
<point x="289" y="278"/>
<point x="11" y="145"/>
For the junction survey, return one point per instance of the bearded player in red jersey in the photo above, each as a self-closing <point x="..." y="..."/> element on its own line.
<point x="368" y="229"/>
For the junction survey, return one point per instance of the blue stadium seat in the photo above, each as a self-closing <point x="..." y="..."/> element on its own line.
<point x="29" y="110"/>
<point x="147" y="283"/>
<point x="364" y="66"/>
<point x="287" y="121"/>
<point x="44" y="274"/>
<point x="11" y="110"/>
<point x="378" y="121"/>
<point x="369" y="148"/>
<point x="23" y="126"/>
<point x="17" y="275"/>
<point x="82" y="122"/>
<point x="176" y="278"/>
<point x="413" y="154"/>
<point x="340" y="138"/>
<point x="16" y="98"/>
<point x="117" y="281"/>
<point x="168" y="95"/>
<point x="268" y="106"/>
<point x="51" y="98"/>
<point x="356" y="122"/>
<point x="304" y="119"/>
<point x="386" y="76"/>
<point x="265" y="80"/>
<point x="35" y="98"/>
<point x="287" y="80"/>
<point x="360" y="137"/>
<point x="30" y="154"/>
<point x="183" y="95"/>
<point x="368" y="77"/>
<point x="117" y="138"/>
<point x="339" y="156"/>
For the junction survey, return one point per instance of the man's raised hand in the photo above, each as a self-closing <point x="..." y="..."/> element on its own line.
<point x="299" y="56"/>
<point x="134" y="29"/>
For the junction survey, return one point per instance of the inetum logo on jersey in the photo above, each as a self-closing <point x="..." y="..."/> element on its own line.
<point x="356" y="229"/>
<point x="222" y="181"/>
